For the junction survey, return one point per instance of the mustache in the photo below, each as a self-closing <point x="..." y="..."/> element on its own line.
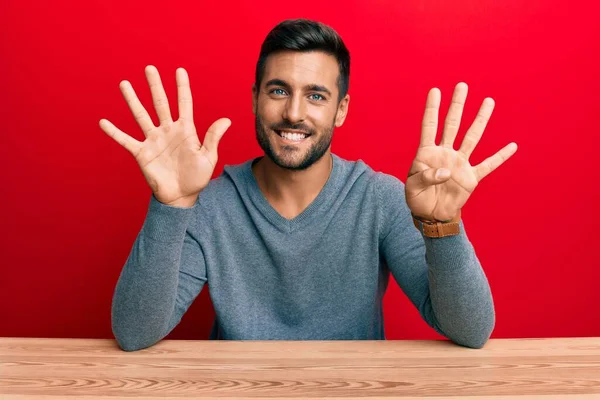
<point x="282" y="126"/>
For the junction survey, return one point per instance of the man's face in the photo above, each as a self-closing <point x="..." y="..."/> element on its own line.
<point x="297" y="107"/>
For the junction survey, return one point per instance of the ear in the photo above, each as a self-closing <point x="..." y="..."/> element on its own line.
<point x="254" y="98"/>
<point x="342" y="111"/>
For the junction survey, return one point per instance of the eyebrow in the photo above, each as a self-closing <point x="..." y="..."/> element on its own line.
<point x="311" y="87"/>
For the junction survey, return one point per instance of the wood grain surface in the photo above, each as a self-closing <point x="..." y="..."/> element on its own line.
<point x="93" y="369"/>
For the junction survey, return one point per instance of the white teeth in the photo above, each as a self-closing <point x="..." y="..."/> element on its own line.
<point x="293" y="136"/>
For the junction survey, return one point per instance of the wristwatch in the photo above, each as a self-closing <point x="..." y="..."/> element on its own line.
<point x="437" y="229"/>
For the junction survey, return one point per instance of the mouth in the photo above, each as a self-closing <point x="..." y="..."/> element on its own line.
<point x="292" y="136"/>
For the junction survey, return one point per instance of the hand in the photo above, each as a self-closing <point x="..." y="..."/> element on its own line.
<point x="440" y="198"/>
<point x="174" y="162"/>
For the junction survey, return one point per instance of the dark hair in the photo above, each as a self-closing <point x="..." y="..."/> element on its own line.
<point x="305" y="35"/>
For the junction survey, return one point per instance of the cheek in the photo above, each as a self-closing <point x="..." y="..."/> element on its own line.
<point x="269" y="112"/>
<point x="322" y="118"/>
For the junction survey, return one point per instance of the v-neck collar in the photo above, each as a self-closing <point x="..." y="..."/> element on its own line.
<point x="316" y="207"/>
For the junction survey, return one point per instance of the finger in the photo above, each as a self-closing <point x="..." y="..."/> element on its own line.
<point x="488" y="165"/>
<point x="430" y="118"/>
<point x="184" y="95"/>
<point x="476" y="130"/>
<point x="137" y="109"/>
<point x="215" y="133"/>
<point x="132" y="145"/>
<point x="159" y="97"/>
<point x="454" y="115"/>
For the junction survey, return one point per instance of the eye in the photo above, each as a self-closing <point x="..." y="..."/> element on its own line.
<point x="278" y="91"/>
<point x="316" y="96"/>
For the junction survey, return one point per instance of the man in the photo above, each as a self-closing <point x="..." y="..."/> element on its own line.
<point x="299" y="244"/>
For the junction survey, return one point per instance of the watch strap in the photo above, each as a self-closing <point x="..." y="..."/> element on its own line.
<point x="437" y="229"/>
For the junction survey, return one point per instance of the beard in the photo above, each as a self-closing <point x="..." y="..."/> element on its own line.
<point x="287" y="158"/>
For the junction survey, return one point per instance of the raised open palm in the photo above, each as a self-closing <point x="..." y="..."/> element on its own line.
<point x="441" y="197"/>
<point x="174" y="162"/>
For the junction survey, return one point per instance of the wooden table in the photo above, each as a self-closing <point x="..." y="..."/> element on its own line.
<point x="97" y="369"/>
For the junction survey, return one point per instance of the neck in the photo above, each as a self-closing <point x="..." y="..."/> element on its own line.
<point x="289" y="191"/>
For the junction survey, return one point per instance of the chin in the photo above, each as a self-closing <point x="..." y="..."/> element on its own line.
<point x="301" y="163"/>
<point x="293" y="164"/>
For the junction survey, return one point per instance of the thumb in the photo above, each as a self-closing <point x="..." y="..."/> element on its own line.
<point x="215" y="133"/>
<point x="442" y="174"/>
<point x="432" y="176"/>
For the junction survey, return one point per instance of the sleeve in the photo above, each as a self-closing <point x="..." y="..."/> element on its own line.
<point x="442" y="277"/>
<point x="164" y="273"/>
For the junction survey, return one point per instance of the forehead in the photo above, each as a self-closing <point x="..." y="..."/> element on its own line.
<point x="303" y="68"/>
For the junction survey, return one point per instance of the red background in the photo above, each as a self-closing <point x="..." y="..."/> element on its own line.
<point x="73" y="200"/>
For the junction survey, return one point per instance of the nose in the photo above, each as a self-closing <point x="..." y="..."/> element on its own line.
<point x="294" y="110"/>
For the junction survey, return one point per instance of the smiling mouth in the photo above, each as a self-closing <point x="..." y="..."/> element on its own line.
<point x="292" y="136"/>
